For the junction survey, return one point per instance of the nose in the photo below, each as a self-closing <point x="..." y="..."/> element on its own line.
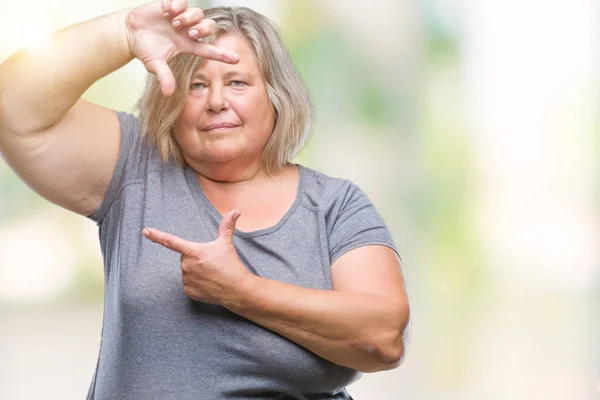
<point x="217" y="99"/>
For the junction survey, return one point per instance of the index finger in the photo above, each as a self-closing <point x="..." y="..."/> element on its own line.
<point x="169" y="241"/>
<point x="212" y="52"/>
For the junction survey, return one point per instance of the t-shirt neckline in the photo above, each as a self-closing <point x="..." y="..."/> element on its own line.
<point x="191" y="175"/>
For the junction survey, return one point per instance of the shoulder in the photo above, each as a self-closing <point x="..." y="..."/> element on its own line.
<point x="325" y="192"/>
<point x="140" y="155"/>
<point x="129" y="122"/>
<point x="137" y="158"/>
<point x="350" y="217"/>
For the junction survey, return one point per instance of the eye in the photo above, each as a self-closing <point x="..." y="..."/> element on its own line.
<point x="197" y="86"/>
<point x="237" y="83"/>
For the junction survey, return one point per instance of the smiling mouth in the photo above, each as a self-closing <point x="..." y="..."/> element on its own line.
<point x="219" y="127"/>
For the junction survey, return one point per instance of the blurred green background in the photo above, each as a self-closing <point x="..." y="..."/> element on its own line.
<point x="472" y="126"/>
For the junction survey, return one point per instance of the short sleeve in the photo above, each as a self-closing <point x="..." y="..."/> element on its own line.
<point x="128" y="167"/>
<point x="357" y="223"/>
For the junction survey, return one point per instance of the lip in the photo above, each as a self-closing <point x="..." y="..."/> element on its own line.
<point x="219" y="126"/>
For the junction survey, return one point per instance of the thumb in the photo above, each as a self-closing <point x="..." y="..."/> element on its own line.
<point x="163" y="74"/>
<point x="227" y="226"/>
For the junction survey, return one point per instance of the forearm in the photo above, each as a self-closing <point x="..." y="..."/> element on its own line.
<point x="39" y="86"/>
<point x="359" y="331"/>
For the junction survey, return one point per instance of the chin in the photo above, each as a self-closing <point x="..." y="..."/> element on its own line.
<point x="223" y="155"/>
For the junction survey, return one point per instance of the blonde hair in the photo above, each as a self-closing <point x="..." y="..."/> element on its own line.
<point x="286" y="91"/>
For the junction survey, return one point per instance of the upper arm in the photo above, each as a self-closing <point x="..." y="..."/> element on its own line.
<point x="362" y="252"/>
<point x="375" y="270"/>
<point x="372" y="269"/>
<point x="71" y="162"/>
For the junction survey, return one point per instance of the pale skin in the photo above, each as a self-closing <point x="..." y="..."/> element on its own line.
<point x="222" y="130"/>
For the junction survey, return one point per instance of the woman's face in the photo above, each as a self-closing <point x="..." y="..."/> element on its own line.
<point x="228" y="114"/>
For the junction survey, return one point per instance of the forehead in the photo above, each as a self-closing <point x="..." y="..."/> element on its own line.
<point x="232" y="42"/>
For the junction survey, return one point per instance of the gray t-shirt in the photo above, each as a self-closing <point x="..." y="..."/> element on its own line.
<point x="157" y="343"/>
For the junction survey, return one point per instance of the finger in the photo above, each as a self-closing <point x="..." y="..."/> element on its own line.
<point x="205" y="50"/>
<point x="164" y="75"/>
<point x="178" y="6"/>
<point x="190" y="17"/>
<point x="166" y="6"/>
<point x="204" y="28"/>
<point x="227" y="226"/>
<point x="171" y="242"/>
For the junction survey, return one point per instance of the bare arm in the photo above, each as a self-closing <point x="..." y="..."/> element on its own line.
<point x="66" y="148"/>
<point x="360" y="324"/>
<point x="38" y="87"/>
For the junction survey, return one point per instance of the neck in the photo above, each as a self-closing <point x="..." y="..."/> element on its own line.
<point x="243" y="187"/>
<point x="230" y="173"/>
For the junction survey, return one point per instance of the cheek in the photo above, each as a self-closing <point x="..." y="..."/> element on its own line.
<point x="256" y="112"/>
<point x="188" y="119"/>
<point x="191" y="112"/>
<point x="186" y="123"/>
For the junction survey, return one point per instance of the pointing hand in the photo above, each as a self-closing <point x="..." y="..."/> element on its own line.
<point x="211" y="272"/>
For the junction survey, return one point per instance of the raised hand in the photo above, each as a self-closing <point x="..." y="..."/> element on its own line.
<point x="211" y="272"/>
<point x="160" y="30"/>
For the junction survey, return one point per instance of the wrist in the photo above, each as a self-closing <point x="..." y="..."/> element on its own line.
<point x="127" y="32"/>
<point x="239" y="297"/>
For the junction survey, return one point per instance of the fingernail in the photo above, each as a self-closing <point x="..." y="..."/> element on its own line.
<point x="177" y="24"/>
<point x="231" y="57"/>
<point x="193" y="33"/>
<point x="166" y="15"/>
<point x="146" y="232"/>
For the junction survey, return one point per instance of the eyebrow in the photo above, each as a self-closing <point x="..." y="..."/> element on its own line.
<point x="228" y="75"/>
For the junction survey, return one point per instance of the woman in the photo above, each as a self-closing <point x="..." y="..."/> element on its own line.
<point x="255" y="277"/>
